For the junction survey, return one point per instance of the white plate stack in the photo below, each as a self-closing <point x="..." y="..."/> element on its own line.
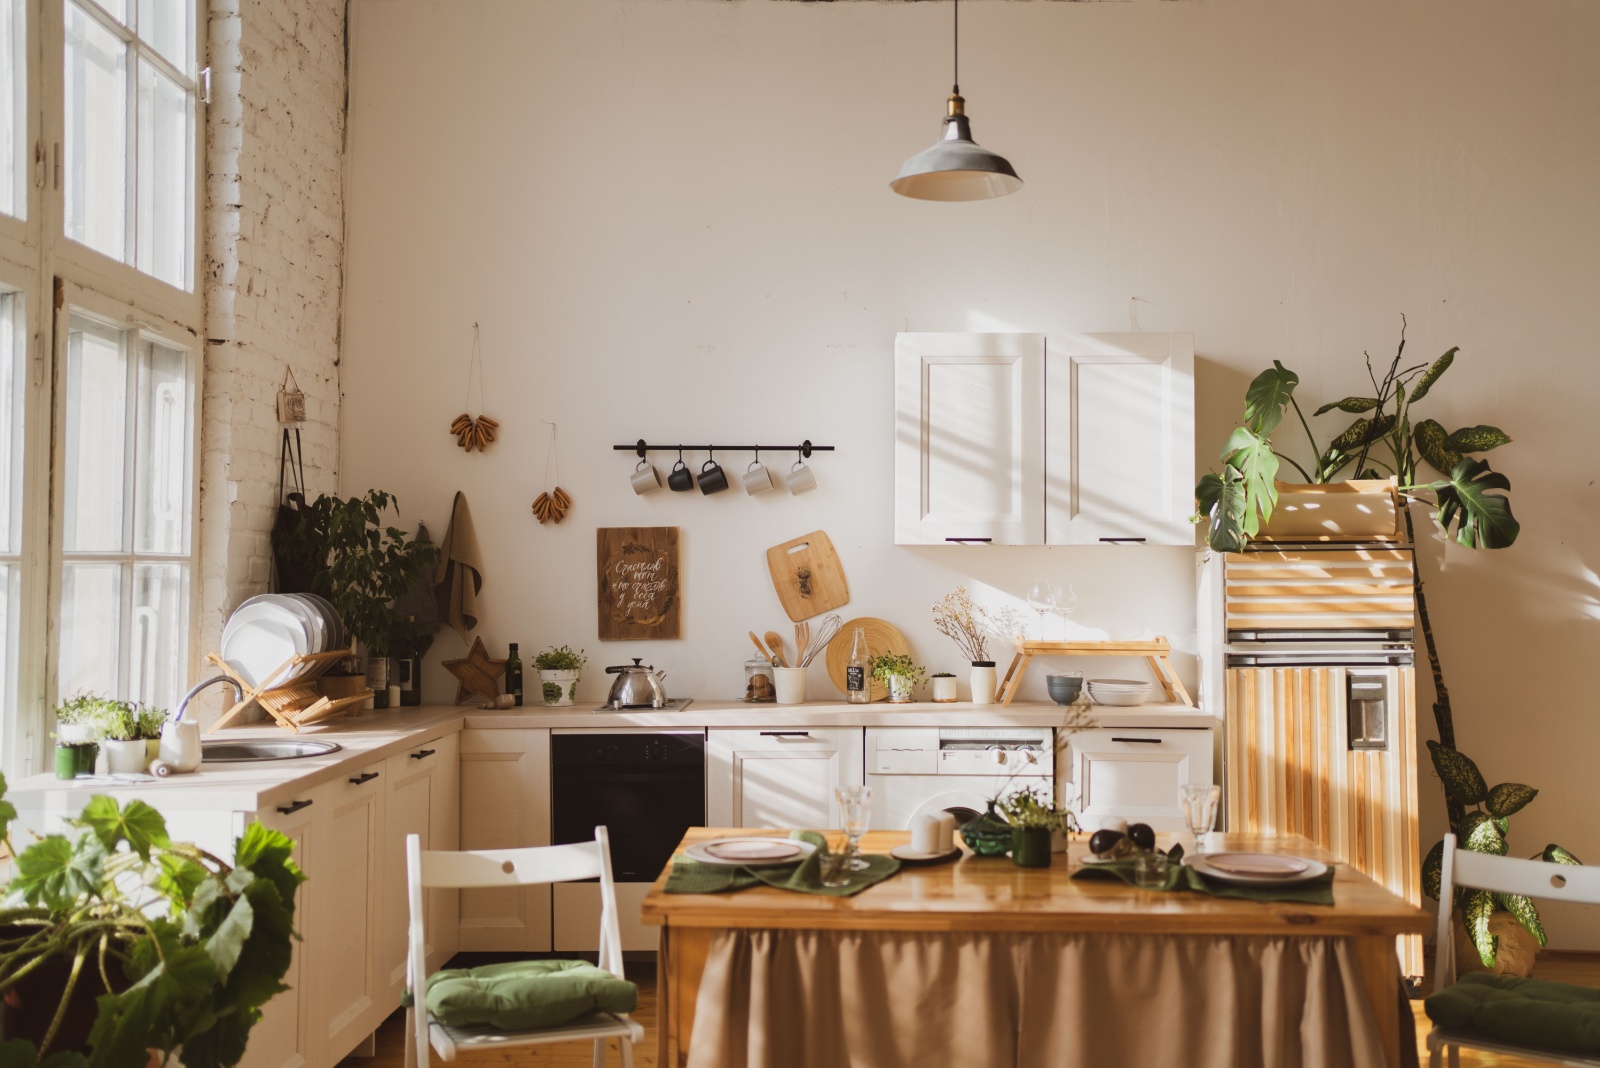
<point x="1118" y="691"/>
<point x="266" y="632"/>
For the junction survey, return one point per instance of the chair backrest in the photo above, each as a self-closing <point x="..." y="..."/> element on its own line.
<point x="1502" y="875"/>
<point x="490" y="868"/>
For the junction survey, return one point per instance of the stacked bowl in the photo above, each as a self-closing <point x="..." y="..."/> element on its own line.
<point x="1118" y="691"/>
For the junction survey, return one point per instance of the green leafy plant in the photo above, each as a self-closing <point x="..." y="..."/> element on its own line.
<point x="359" y="564"/>
<point x="109" y="718"/>
<point x="560" y="658"/>
<point x="150" y="722"/>
<point x="896" y="666"/>
<point x="1484" y="828"/>
<point x="1033" y="808"/>
<point x="186" y="946"/>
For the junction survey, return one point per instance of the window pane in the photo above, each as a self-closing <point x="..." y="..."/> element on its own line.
<point x="164" y="149"/>
<point x="161" y="451"/>
<point x="160" y="641"/>
<point x="13" y="117"/>
<point x="96" y="418"/>
<point x="96" y="134"/>
<point x="10" y="426"/>
<point x="165" y="26"/>
<point x="91" y="611"/>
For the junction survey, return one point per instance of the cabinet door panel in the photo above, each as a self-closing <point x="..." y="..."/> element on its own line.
<point x="415" y="780"/>
<point x="1119" y="438"/>
<point x="1137" y="774"/>
<point x="969" y="411"/>
<point x="505" y="804"/>
<point x="781" y="779"/>
<point x="278" y="1038"/>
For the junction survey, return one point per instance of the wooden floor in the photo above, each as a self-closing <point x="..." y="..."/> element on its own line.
<point x="391" y="1036"/>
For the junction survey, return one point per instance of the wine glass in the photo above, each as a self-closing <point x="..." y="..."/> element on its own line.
<point x="855" y="806"/>
<point x="1042" y="598"/>
<point x="1200" y="811"/>
<point x="1066" y="603"/>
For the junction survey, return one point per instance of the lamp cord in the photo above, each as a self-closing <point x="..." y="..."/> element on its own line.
<point x="956" y="85"/>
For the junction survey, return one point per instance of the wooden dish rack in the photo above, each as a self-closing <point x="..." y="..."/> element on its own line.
<point x="1156" y="653"/>
<point x="298" y="703"/>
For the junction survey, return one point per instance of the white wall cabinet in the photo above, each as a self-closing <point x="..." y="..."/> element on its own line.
<point x="1136" y="773"/>
<point x="780" y="777"/>
<point x="505" y="804"/>
<point x="422" y="791"/>
<point x="1030" y="439"/>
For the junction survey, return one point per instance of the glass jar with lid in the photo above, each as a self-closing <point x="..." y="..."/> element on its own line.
<point x="758" y="681"/>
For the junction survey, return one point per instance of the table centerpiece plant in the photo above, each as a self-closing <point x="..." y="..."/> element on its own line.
<point x="120" y="948"/>
<point x="559" y="671"/>
<point x="1034" y="818"/>
<point x="900" y="673"/>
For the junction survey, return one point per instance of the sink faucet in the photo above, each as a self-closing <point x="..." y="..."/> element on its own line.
<point x="183" y="704"/>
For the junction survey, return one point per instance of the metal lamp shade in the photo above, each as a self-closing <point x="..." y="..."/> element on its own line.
<point x="956" y="168"/>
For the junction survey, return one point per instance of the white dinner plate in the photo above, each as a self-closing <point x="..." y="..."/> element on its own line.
<point x="749" y="852"/>
<point x="311" y="612"/>
<point x="261" y="634"/>
<point x="1126" y="685"/>
<point x="1203" y="864"/>
<point x="336" y="633"/>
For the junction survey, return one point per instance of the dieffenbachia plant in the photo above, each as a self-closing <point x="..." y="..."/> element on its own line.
<point x="1484" y="829"/>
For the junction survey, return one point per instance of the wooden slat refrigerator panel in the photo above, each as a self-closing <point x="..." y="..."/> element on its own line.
<point x="1300" y="590"/>
<point x="1290" y="770"/>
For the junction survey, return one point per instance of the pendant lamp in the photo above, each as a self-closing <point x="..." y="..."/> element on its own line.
<point x="956" y="167"/>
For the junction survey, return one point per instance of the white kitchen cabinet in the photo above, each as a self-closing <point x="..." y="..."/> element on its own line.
<point x="422" y="799"/>
<point x="278" y="1039"/>
<point x="1119" y="438"/>
<point x="1136" y="773"/>
<point x="969" y="438"/>
<point x="783" y="777"/>
<point x="505" y="804"/>
<point x="1032" y="439"/>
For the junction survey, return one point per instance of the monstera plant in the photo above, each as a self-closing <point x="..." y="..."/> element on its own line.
<point x="1382" y="442"/>
<point x="1484" y="829"/>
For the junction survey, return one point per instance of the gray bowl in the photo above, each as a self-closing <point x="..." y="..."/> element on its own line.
<point x="1064" y="689"/>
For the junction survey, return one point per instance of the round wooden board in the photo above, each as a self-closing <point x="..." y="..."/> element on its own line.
<point x="882" y="638"/>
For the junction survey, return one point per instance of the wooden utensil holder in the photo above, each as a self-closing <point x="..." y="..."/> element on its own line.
<point x="295" y="704"/>
<point x="1156" y="653"/>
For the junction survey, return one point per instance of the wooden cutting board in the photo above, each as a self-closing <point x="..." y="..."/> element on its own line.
<point x="808" y="576"/>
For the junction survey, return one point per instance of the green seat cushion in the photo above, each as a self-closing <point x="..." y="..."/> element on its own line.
<point x="1525" y="1012"/>
<point x="526" y="994"/>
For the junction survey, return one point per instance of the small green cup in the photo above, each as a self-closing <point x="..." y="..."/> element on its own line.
<point x="76" y="759"/>
<point x="1030" y="846"/>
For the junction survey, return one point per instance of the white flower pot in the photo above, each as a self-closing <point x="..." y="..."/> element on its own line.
<point x="124" y="758"/>
<point x="900" y="687"/>
<point x="944" y="689"/>
<point x="983" y="683"/>
<point x="558" y="687"/>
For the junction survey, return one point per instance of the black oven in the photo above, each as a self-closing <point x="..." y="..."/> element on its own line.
<point x="646" y="789"/>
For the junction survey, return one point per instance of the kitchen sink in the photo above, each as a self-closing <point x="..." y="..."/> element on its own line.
<point x="237" y="752"/>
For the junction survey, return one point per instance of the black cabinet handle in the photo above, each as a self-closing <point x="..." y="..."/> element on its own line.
<point x="1118" y="541"/>
<point x="363" y="777"/>
<point x="785" y="734"/>
<point x="970" y="541"/>
<point x="1146" y="741"/>
<point x="423" y="754"/>
<point x="293" y="807"/>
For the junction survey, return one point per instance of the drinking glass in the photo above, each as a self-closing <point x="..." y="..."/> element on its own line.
<point x="835" y="868"/>
<point x="1200" y="811"/>
<point x="1150" y="869"/>
<point x="1066" y="601"/>
<point x="1042" y="598"/>
<point x="855" y="806"/>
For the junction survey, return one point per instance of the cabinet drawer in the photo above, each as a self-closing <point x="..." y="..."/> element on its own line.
<point x="780" y="739"/>
<point x="1136" y="774"/>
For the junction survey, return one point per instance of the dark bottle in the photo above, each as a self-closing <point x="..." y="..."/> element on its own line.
<point x="514" y="674"/>
<point x="408" y="671"/>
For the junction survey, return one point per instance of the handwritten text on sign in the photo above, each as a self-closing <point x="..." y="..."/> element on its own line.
<point x="637" y="568"/>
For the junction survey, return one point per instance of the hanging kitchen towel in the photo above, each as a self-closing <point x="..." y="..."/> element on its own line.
<point x="459" y="575"/>
<point x="419" y="603"/>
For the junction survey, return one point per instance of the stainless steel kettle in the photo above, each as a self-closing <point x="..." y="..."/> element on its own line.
<point x="637" y="686"/>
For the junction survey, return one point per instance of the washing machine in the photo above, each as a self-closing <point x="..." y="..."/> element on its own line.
<point x="917" y="771"/>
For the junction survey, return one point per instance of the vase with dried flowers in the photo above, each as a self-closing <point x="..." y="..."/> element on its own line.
<point x="968" y="624"/>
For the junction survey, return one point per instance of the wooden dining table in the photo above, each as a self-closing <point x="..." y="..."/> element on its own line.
<point x="987" y="897"/>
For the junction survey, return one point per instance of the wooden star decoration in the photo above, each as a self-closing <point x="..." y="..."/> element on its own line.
<point x="476" y="673"/>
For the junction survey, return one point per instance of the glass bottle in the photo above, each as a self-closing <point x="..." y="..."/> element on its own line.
<point x="858" y="670"/>
<point x="514" y="674"/>
<point x="408" y="668"/>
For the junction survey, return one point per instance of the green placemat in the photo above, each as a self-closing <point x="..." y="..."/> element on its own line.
<point x="692" y="877"/>
<point x="1318" y="891"/>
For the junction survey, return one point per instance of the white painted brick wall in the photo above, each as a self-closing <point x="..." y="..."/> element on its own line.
<point x="274" y="274"/>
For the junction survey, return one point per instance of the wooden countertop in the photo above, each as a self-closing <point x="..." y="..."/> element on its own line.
<point x="993" y="894"/>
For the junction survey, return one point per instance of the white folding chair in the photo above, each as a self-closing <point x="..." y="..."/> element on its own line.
<point x="506" y="868"/>
<point x="1503" y="875"/>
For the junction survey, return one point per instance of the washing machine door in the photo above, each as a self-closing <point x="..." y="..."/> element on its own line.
<point x="963" y="804"/>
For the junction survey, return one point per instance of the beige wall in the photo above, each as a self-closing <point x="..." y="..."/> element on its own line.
<point x="671" y="218"/>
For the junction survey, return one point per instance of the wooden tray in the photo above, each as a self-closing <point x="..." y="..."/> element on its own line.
<point x="1156" y="651"/>
<point x="883" y="638"/>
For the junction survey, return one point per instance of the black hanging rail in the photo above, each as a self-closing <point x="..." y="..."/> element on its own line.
<point x="640" y="447"/>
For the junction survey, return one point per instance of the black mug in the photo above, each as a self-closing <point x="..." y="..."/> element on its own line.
<point x="712" y="478"/>
<point x="681" y="477"/>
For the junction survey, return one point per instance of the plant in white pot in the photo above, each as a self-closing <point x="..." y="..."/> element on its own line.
<point x="899" y="673"/>
<point x="960" y="619"/>
<point x="559" y="671"/>
<point x="122" y="736"/>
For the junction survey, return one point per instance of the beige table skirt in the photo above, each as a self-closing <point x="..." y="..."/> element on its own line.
<point x="775" y="999"/>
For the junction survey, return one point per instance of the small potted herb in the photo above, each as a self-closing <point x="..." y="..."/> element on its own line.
<point x="944" y="687"/>
<point x="77" y="736"/>
<point x="151" y="721"/>
<point x="899" y="673"/>
<point x="122" y="736"/>
<point x="559" y="670"/>
<point x="1034" y="818"/>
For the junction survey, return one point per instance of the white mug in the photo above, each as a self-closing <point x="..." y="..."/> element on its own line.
<point x="645" y="478"/>
<point x="757" y="479"/>
<point x="800" y="478"/>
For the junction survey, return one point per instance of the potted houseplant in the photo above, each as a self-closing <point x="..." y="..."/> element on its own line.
<point x="119" y="943"/>
<point x="122" y="737"/>
<point x="1503" y="929"/>
<point x="77" y="735"/>
<point x="1034" y="818"/>
<point x="958" y="618"/>
<point x="944" y="687"/>
<point x="559" y="670"/>
<point x="899" y="673"/>
<point x="150" y="723"/>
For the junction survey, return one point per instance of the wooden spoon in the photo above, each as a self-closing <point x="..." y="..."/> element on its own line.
<point x="764" y="654"/>
<point x="775" y="643"/>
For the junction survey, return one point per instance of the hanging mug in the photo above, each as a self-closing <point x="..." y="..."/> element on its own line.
<point x="801" y="478"/>
<point x="713" y="479"/>
<point x="646" y="479"/>
<point x="757" y="479"/>
<point x="680" y="478"/>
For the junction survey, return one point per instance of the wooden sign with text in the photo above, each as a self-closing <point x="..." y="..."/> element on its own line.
<point x="637" y="568"/>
